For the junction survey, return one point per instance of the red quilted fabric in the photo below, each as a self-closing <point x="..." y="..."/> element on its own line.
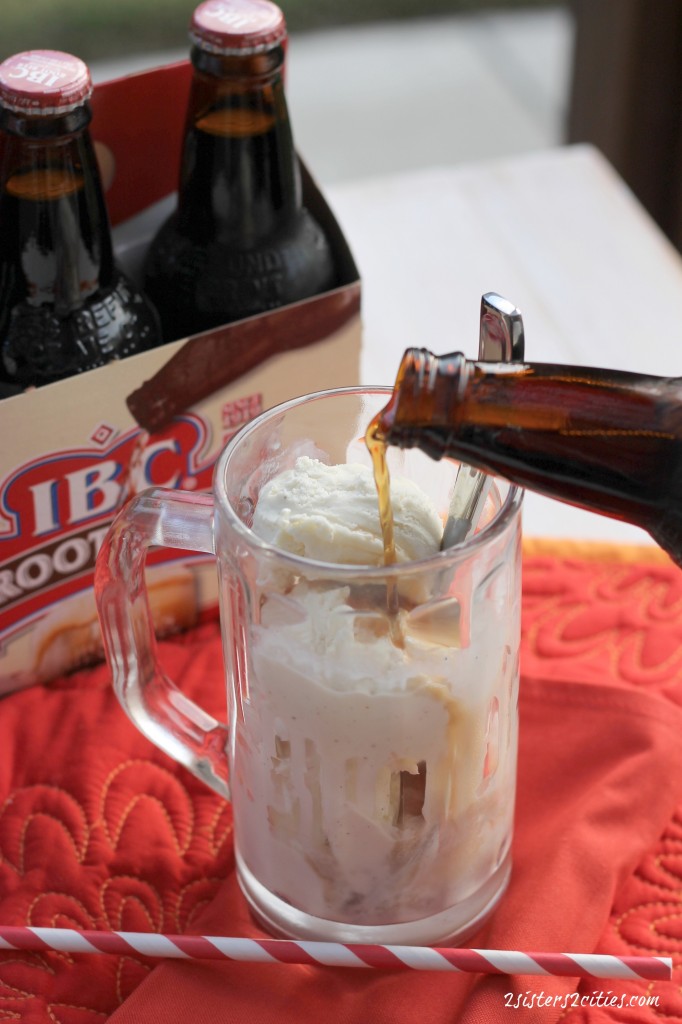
<point x="98" y="829"/>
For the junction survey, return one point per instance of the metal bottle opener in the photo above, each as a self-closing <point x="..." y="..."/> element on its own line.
<point x="501" y="339"/>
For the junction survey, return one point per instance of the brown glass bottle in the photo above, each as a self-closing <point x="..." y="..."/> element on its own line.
<point x="606" y="440"/>
<point x="240" y="241"/>
<point x="65" y="307"/>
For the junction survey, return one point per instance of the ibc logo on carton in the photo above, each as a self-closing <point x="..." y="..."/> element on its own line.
<point x="56" y="509"/>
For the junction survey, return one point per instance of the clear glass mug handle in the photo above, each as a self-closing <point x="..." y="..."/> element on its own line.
<point x="174" y="519"/>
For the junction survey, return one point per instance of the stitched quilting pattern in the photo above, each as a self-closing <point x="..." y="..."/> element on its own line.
<point x="98" y="829"/>
<point x="599" y="622"/>
<point x="621" y="623"/>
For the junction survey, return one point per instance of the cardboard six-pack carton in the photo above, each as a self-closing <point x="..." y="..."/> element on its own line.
<point x="75" y="451"/>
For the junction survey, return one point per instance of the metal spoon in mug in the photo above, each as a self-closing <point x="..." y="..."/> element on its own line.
<point x="501" y="339"/>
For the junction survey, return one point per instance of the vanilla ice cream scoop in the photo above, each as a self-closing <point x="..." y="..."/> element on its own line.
<point x="376" y="782"/>
<point x="331" y="514"/>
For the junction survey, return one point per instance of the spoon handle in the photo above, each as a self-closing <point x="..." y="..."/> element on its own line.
<point x="500" y="339"/>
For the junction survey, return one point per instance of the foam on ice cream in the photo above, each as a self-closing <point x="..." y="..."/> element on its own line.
<point x="376" y="782"/>
<point x="330" y="514"/>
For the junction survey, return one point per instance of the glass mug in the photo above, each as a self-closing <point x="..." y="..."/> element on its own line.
<point x="372" y="784"/>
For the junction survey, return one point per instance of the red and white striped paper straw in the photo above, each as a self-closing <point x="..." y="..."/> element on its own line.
<point x="338" y="954"/>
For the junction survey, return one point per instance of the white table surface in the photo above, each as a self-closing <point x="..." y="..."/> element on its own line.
<point x="559" y="234"/>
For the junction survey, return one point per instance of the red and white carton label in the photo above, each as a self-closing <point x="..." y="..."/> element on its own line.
<point x="76" y="450"/>
<point x="79" y="455"/>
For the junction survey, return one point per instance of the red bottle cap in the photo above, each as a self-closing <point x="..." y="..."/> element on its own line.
<point x="44" y="82"/>
<point x="237" y="27"/>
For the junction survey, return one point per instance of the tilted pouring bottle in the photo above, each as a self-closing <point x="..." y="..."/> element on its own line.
<point x="608" y="441"/>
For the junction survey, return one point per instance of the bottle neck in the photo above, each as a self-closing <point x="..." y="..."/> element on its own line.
<point x="609" y="441"/>
<point x="55" y="246"/>
<point x="239" y="178"/>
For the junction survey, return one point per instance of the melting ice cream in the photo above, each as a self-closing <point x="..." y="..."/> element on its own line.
<point x="376" y="783"/>
<point x="330" y="514"/>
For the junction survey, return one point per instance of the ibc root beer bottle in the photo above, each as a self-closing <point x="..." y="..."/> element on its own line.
<point x="240" y="241"/>
<point x="65" y="307"/>
<point x="609" y="441"/>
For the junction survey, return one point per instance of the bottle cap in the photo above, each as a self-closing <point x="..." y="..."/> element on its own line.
<point x="237" y="27"/>
<point x="43" y="82"/>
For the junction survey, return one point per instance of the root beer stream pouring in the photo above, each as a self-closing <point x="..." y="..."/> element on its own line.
<point x="609" y="441"/>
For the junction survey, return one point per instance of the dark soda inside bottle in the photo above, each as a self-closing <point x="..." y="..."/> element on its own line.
<point x="606" y="440"/>
<point x="240" y="242"/>
<point x="65" y="307"/>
